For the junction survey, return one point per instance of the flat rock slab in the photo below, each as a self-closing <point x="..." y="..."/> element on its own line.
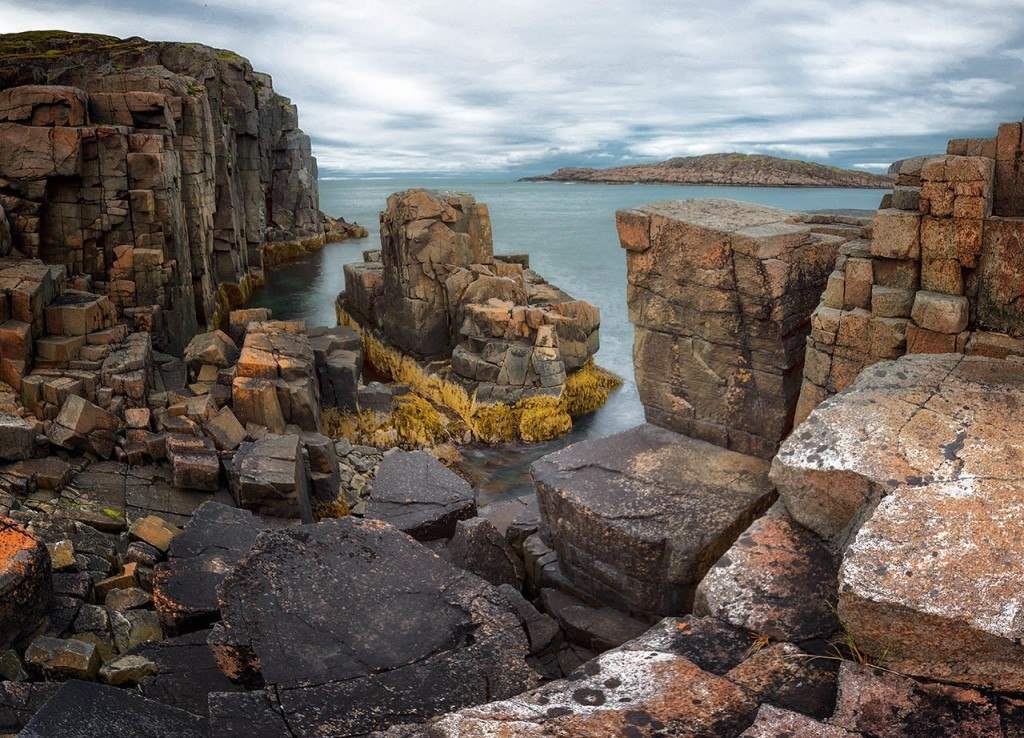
<point x="352" y="625"/>
<point x="638" y="518"/>
<point x="778" y="579"/>
<point x="932" y="584"/>
<point x="914" y="421"/>
<point x="773" y="722"/>
<point x="186" y="673"/>
<point x="185" y="586"/>
<point x="86" y="710"/>
<point x="419" y="495"/>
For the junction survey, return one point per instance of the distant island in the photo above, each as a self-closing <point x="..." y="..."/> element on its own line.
<point x="732" y="170"/>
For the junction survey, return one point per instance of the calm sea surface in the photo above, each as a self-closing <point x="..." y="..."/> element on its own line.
<point x="569" y="232"/>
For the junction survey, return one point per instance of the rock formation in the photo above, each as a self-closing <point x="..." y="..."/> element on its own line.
<point x="438" y="291"/>
<point x="939" y="274"/>
<point x="740" y="170"/>
<point x="153" y="172"/>
<point x="720" y="293"/>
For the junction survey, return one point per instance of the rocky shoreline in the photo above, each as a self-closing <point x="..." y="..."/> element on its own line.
<point x="815" y="534"/>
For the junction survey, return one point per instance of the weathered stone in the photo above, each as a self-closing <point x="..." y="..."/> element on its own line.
<point x="154" y="531"/>
<point x="596" y="628"/>
<point x="82" y="426"/>
<point x="270" y="477"/>
<point x="884" y="704"/>
<point x="83" y="710"/>
<point x="126" y="669"/>
<point x="772" y="722"/>
<point x="185" y="587"/>
<point x="902" y="423"/>
<point x="56" y="658"/>
<point x="638" y="518"/>
<point x="941" y="313"/>
<point x="134" y="627"/>
<point x="127" y="599"/>
<point x="778" y="579"/>
<point x="224" y="430"/>
<point x="479" y="547"/>
<point x="929" y="579"/>
<point x="418" y="495"/>
<point x="186" y="673"/>
<point x="194" y="462"/>
<point x="20" y="701"/>
<point x="718" y="352"/>
<point x="400" y="653"/>
<point x="17" y="438"/>
<point x="26" y="588"/>
<point x="255" y="401"/>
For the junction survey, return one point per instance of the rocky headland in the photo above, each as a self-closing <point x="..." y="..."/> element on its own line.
<point x="723" y="170"/>
<point x="815" y="534"/>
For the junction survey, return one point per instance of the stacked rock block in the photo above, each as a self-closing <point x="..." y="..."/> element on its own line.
<point x="157" y="171"/>
<point x="437" y="291"/>
<point x="940" y="274"/>
<point x="720" y="293"/>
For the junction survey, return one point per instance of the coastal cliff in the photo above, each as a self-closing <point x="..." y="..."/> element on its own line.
<point x="723" y="170"/>
<point x="157" y="172"/>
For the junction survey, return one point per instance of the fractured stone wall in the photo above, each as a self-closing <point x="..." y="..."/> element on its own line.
<point x="940" y="275"/>
<point x="156" y="171"/>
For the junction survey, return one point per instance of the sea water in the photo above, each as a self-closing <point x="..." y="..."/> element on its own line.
<point x="567" y="229"/>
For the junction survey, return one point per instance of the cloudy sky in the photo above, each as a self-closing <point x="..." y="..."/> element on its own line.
<point x="528" y="85"/>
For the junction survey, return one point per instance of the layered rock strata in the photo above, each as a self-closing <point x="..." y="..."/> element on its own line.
<point x="155" y="172"/>
<point x="939" y="274"/>
<point x="438" y="291"/>
<point x="720" y="293"/>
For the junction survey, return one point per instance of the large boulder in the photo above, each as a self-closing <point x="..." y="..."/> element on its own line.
<point x="720" y="293"/>
<point x="270" y="476"/>
<point x="325" y="617"/>
<point x="918" y="420"/>
<point x="26" y="589"/>
<point x="419" y="495"/>
<point x="638" y="518"/>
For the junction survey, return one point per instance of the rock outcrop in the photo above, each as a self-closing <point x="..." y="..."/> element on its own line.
<point x="437" y="291"/>
<point x="940" y="274"/>
<point x="739" y="170"/>
<point x="154" y="172"/>
<point x="720" y="293"/>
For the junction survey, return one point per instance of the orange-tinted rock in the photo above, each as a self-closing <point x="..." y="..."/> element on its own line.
<point x="932" y="586"/>
<point x="25" y="582"/>
<point x="921" y="419"/>
<point x="778" y="579"/>
<point x="720" y="299"/>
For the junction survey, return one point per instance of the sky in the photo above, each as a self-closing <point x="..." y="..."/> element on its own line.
<point x="531" y="85"/>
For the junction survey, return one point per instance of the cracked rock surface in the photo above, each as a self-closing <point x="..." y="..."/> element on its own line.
<point x="351" y="625"/>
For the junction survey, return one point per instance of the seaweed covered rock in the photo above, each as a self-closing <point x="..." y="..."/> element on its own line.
<point x="323" y="616"/>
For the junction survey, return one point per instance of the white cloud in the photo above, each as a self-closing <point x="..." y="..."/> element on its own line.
<point x="454" y="84"/>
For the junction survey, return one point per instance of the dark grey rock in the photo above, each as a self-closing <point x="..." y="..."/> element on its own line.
<point x="639" y="517"/>
<point x="376" y="397"/>
<point x="353" y="625"/>
<point x="595" y="628"/>
<point x="477" y="546"/>
<point x="417" y="494"/>
<point x="213" y="541"/>
<point x="87" y="710"/>
<point x="19" y="701"/>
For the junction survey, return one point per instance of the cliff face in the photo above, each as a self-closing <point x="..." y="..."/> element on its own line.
<point x="739" y="170"/>
<point x="155" y="172"/>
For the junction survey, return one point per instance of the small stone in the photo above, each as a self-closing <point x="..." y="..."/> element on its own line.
<point x="155" y="531"/>
<point x="941" y="313"/>
<point x="123" y="580"/>
<point x="134" y="627"/>
<point x="62" y="556"/>
<point x="11" y="667"/>
<point x="127" y="599"/>
<point x="126" y="669"/>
